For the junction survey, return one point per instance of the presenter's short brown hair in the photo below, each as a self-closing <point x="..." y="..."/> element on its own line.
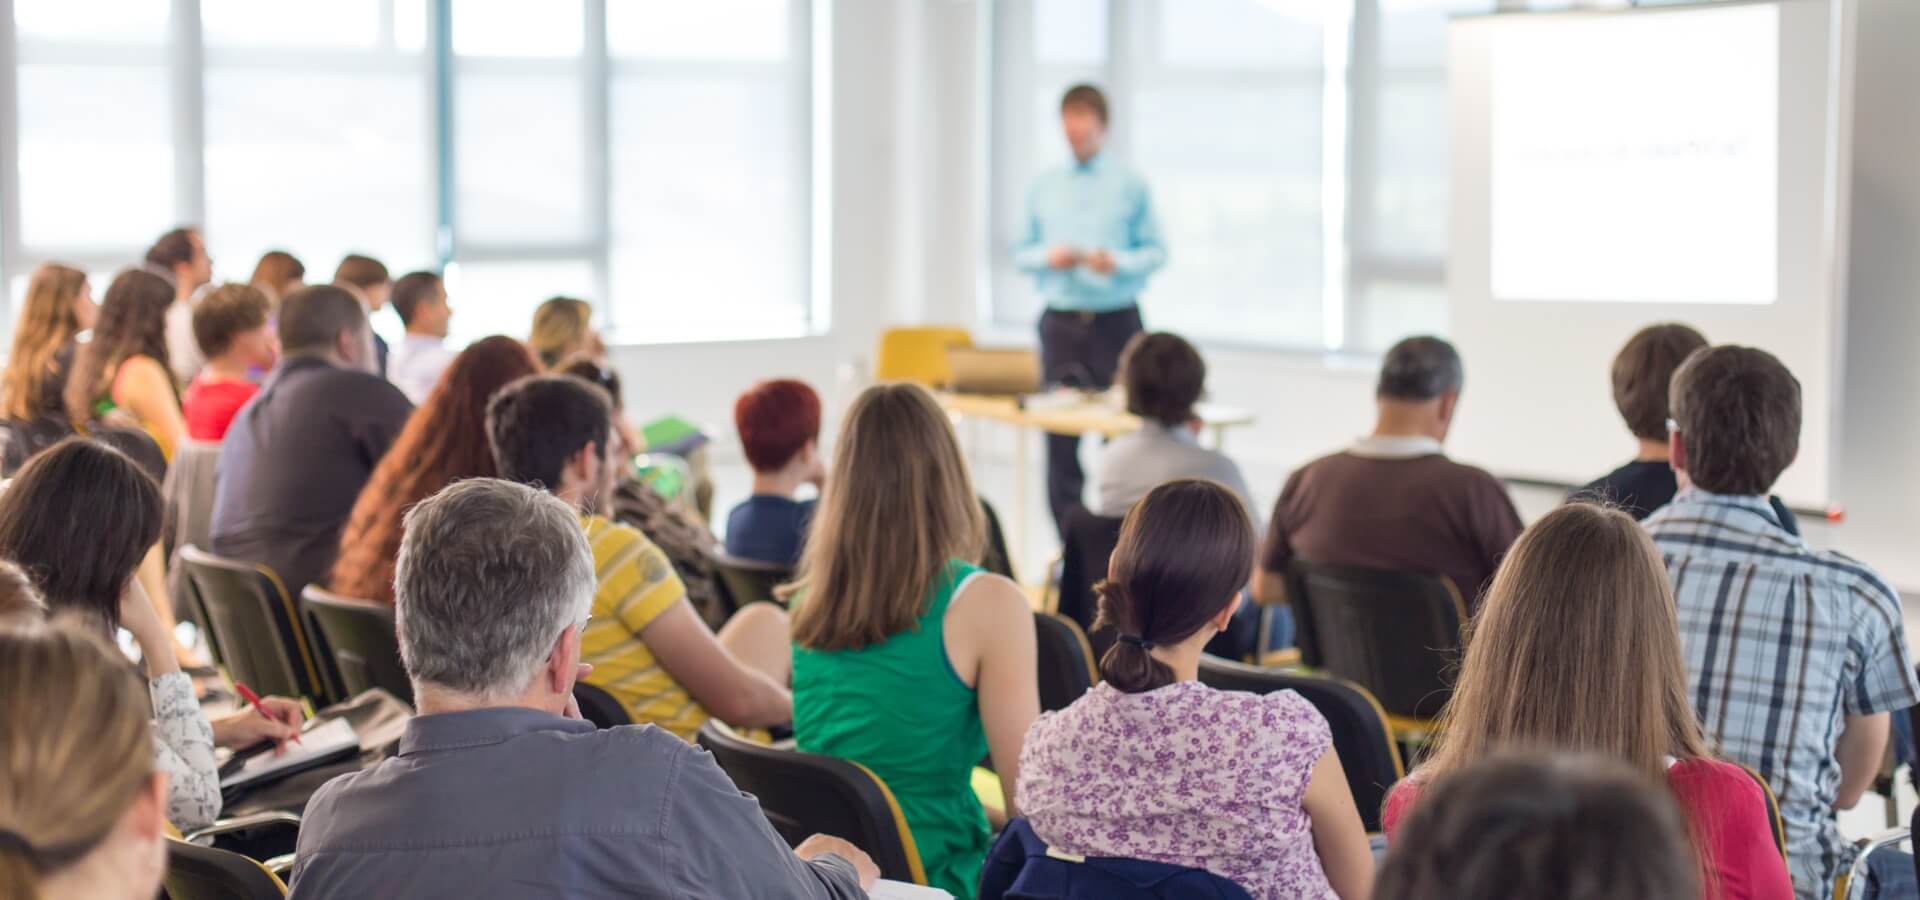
<point x="1086" y="97"/>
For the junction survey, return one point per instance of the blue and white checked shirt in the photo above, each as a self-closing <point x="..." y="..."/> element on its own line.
<point x="1095" y="205"/>
<point x="1782" y="643"/>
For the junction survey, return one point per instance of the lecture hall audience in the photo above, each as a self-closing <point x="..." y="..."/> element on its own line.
<point x="82" y="806"/>
<point x="779" y="426"/>
<point x="123" y="370"/>
<point x="1591" y="663"/>
<point x="444" y="441"/>
<point x="231" y="325"/>
<point x="1393" y="500"/>
<point x="1164" y="378"/>
<point x="1530" y="827"/>
<point x="58" y="306"/>
<point x="367" y="280"/>
<point x="1795" y="657"/>
<point x="1153" y="765"/>
<point x="647" y="645"/>
<point x="296" y="457"/>
<point x="913" y="662"/>
<point x="278" y="275"/>
<point x="78" y="519"/>
<point x="180" y="256"/>
<point x="670" y="526"/>
<point x="420" y="298"/>
<point x="499" y="786"/>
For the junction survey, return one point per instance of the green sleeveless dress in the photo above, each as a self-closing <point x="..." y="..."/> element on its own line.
<point x="899" y="709"/>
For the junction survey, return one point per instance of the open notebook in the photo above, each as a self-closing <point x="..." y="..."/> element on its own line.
<point x="900" y="890"/>
<point x="323" y="743"/>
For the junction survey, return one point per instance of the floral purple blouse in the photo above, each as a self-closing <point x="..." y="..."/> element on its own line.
<point x="1186" y="775"/>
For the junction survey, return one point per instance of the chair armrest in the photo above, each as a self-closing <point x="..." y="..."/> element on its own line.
<point x="239" y="823"/>
<point x="1855" y="886"/>
<point x="281" y="865"/>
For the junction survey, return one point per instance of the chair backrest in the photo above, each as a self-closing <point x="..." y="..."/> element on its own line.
<point x="599" y="707"/>
<point x="803" y="794"/>
<point x="996" y="559"/>
<point x="1395" y="633"/>
<point x="1085" y="550"/>
<point x="1067" y="666"/>
<point x="360" y="635"/>
<point x="918" y="354"/>
<point x="1021" y="867"/>
<point x="745" y="581"/>
<point x="259" y="633"/>
<point x="204" y="873"/>
<point x="1360" y="736"/>
<point x="1774" y="821"/>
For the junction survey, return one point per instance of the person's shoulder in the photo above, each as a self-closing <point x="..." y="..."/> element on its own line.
<point x="1715" y="787"/>
<point x="1866" y="583"/>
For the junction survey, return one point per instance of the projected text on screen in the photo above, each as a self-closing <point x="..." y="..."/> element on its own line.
<point x="1636" y="158"/>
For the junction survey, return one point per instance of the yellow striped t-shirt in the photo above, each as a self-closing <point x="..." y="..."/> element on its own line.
<point x="637" y="585"/>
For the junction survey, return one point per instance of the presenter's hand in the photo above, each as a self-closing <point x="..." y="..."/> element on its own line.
<point x="1101" y="262"/>
<point x="1062" y="257"/>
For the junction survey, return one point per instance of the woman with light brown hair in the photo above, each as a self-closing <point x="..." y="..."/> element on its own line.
<point x="562" y="327"/>
<point x="1575" y="648"/>
<point x="59" y="305"/>
<point x="908" y="658"/>
<point x="82" y="809"/>
<point x="278" y="274"/>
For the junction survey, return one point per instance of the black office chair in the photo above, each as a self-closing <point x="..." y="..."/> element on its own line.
<point x="1067" y="667"/>
<point x="1397" y="634"/>
<point x="599" y="707"/>
<point x="254" y="629"/>
<point x="803" y="794"/>
<point x="1089" y="544"/>
<point x="204" y="873"/>
<point x="996" y="559"/>
<point x="1360" y="734"/>
<point x="366" y="650"/>
<point x="746" y="581"/>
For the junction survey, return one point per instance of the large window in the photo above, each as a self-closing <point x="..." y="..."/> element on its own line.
<point x="1295" y="151"/>
<point x="652" y="156"/>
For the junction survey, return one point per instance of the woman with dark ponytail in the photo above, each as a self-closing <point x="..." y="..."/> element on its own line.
<point x="1151" y="764"/>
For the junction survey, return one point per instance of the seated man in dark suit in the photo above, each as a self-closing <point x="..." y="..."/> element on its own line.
<point x="1394" y="500"/>
<point x="500" y="789"/>
<point x="299" y="452"/>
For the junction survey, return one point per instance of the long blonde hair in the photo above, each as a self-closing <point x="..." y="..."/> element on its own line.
<point x="47" y="323"/>
<point x="1575" y="648"/>
<point x="898" y="506"/>
<point x="77" y="749"/>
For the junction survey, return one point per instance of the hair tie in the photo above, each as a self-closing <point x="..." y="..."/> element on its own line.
<point x="1137" y="641"/>
<point x="18" y="841"/>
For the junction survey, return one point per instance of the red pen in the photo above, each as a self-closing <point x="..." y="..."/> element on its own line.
<point x="259" y="707"/>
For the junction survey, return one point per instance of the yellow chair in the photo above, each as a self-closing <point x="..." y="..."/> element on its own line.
<point x="918" y="354"/>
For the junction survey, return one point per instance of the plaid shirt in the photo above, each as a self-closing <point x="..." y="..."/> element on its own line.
<point x="1782" y="643"/>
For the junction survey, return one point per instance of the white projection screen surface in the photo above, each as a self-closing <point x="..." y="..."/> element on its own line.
<point x="1620" y="168"/>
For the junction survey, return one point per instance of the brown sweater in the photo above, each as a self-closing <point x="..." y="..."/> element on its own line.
<point x="1424" y="514"/>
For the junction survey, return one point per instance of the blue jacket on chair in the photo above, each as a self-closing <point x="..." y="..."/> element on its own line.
<point x="1019" y="868"/>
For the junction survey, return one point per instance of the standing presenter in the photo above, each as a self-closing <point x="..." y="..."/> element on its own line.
<point x="1090" y="242"/>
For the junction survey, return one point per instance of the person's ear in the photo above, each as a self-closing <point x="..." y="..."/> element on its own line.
<point x="1676" y="451"/>
<point x="563" y="662"/>
<point x="583" y="465"/>
<point x="148" y="815"/>
<point x="1224" y="617"/>
<point x="347" y="345"/>
<point x="1449" y="401"/>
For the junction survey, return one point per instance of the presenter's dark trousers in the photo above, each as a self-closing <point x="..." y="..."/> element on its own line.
<point x="1080" y="350"/>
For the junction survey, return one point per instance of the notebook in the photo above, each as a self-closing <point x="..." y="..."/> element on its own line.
<point x="323" y="743"/>
<point x="900" y="890"/>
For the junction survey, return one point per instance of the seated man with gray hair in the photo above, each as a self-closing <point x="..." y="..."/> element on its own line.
<point x="499" y="788"/>
<point x="1394" y="500"/>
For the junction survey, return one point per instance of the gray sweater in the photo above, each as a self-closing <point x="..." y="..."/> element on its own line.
<point x="515" y="802"/>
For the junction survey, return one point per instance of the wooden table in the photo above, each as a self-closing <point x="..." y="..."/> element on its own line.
<point x="1073" y="417"/>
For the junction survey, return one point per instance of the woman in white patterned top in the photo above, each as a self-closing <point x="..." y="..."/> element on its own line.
<point x="77" y="520"/>
<point x="1153" y="765"/>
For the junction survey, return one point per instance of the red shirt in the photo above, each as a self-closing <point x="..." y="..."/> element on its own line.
<point x="1722" y="803"/>
<point x="209" y="406"/>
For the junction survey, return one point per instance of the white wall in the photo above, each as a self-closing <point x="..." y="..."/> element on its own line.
<point x="905" y="244"/>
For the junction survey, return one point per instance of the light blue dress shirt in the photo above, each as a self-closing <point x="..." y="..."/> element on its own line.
<point x="1096" y="205"/>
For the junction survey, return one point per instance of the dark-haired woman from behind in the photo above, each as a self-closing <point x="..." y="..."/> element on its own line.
<point x="125" y="366"/>
<point x="444" y="441"/>
<point x="1153" y="765"/>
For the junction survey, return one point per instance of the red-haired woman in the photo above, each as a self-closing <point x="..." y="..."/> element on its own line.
<point x="779" y="425"/>
<point x="444" y="441"/>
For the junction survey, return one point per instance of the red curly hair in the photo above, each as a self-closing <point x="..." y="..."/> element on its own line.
<point x="445" y="440"/>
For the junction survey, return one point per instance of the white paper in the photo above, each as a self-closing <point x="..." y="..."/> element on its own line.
<point x="900" y="890"/>
<point x="321" y="740"/>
